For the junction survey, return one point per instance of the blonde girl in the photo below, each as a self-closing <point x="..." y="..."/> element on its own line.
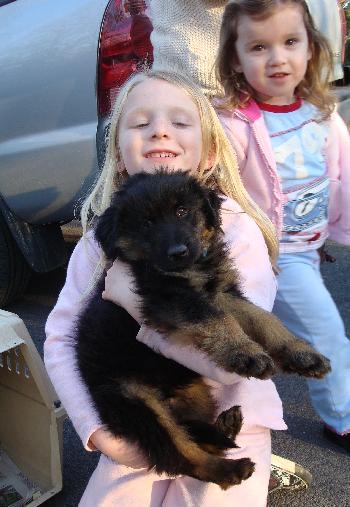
<point x="162" y="117"/>
<point x="293" y="152"/>
<point x="222" y="172"/>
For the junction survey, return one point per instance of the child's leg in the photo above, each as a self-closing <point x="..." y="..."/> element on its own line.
<point x="307" y="309"/>
<point x="116" y="485"/>
<point x="255" y="443"/>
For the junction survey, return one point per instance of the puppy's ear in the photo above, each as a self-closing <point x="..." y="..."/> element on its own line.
<point x="212" y="208"/>
<point x="106" y="231"/>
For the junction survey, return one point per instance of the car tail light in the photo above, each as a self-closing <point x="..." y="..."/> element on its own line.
<point x="124" y="47"/>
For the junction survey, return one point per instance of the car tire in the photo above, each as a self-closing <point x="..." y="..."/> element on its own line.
<point x="14" y="270"/>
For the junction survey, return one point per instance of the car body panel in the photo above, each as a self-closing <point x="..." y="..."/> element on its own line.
<point x="48" y="111"/>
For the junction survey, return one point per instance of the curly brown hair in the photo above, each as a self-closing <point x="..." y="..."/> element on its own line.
<point x="315" y="85"/>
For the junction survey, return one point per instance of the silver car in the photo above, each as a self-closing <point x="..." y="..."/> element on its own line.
<point x="61" y="65"/>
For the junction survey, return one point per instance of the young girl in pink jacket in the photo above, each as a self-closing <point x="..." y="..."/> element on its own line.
<point x="293" y="151"/>
<point x="159" y="119"/>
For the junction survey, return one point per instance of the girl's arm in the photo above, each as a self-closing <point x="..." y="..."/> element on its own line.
<point x="60" y="360"/>
<point x="249" y="253"/>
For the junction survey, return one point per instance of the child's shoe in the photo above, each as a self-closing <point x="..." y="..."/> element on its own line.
<point x="287" y="475"/>
<point x="341" y="440"/>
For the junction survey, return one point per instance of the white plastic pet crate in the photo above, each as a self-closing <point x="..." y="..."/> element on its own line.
<point x="30" y="424"/>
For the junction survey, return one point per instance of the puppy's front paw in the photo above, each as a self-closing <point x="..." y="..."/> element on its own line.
<point x="307" y="363"/>
<point x="248" y="364"/>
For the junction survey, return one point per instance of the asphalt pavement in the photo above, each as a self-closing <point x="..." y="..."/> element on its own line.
<point x="303" y="442"/>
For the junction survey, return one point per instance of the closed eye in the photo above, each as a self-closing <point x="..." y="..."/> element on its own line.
<point x="140" y="125"/>
<point x="180" y="124"/>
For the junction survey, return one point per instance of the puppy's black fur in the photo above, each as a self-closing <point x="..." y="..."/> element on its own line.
<point x="166" y="226"/>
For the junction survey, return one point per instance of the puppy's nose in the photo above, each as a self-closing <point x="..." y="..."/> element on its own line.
<point x="176" y="252"/>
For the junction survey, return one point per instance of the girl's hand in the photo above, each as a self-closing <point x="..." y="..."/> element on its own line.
<point x="119" y="288"/>
<point x="119" y="450"/>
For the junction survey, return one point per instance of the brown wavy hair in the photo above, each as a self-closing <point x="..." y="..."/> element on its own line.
<point x="315" y="85"/>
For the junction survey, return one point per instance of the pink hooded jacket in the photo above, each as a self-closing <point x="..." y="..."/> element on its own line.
<point x="246" y="130"/>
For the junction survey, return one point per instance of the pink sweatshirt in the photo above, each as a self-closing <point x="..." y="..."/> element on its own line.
<point x="261" y="405"/>
<point x="248" y="134"/>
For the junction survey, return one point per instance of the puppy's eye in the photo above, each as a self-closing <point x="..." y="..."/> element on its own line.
<point x="181" y="212"/>
<point x="147" y="223"/>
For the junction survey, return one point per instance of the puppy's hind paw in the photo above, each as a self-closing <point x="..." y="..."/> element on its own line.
<point x="235" y="471"/>
<point x="258" y="365"/>
<point x="246" y="468"/>
<point x="230" y="421"/>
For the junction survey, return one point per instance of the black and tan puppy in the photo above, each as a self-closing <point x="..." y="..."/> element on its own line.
<point x="166" y="226"/>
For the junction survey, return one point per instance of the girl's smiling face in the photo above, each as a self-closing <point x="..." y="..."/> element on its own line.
<point x="159" y="126"/>
<point x="273" y="53"/>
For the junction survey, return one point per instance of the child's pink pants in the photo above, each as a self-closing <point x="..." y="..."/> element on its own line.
<point x="113" y="485"/>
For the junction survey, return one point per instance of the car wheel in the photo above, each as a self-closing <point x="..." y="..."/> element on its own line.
<point x="14" y="270"/>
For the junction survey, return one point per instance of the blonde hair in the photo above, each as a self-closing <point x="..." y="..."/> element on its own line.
<point x="315" y="85"/>
<point x="223" y="174"/>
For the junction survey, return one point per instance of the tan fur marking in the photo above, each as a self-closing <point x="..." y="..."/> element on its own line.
<point x="180" y="437"/>
<point x="128" y="246"/>
<point x="216" y="337"/>
<point x="207" y="234"/>
<point x="260" y="325"/>
<point x="196" y="400"/>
